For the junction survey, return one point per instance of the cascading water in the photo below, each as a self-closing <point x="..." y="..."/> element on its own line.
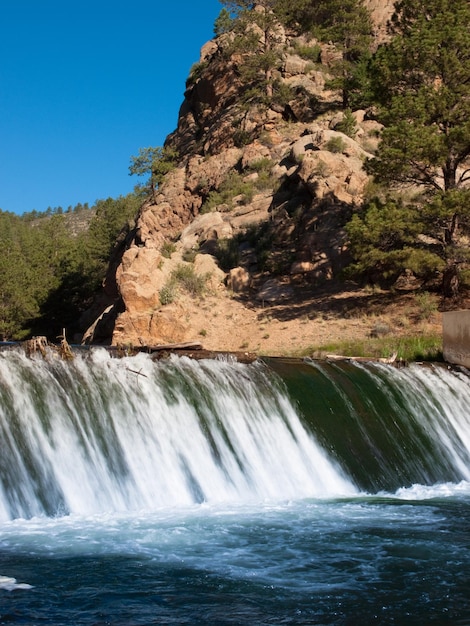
<point x="103" y="434"/>
<point x="211" y="492"/>
<point x="386" y="427"/>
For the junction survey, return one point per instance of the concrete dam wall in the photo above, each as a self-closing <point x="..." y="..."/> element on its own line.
<point x="456" y="337"/>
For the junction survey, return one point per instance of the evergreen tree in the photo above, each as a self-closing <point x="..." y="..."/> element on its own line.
<point x="345" y="23"/>
<point x="154" y="163"/>
<point x="421" y="80"/>
<point x="256" y="38"/>
<point x="384" y="239"/>
<point x="17" y="302"/>
<point x="348" y="25"/>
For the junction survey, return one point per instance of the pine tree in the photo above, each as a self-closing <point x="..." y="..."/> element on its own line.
<point x="421" y="80"/>
<point x="345" y="23"/>
<point x="255" y="40"/>
<point x="154" y="163"/>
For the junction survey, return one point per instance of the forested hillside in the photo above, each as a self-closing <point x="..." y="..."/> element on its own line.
<point x="53" y="263"/>
<point x="318" y="143"/>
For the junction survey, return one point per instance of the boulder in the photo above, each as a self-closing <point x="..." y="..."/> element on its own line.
<point x="238" y="279"/>
<point x="206" y="265"/>
<point x="205" y="227"/>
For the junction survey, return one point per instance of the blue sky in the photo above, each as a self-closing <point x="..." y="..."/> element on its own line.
<point x="83" y="85"/>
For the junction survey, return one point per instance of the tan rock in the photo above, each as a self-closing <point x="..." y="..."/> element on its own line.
<point x="208" y="173"/>
<point x="254" y="152"/>
<point x="218" y="132"/>
<point x="238" y="279"/>
<point x="302" y="267"/>
<point x="328" y="173"/>
<point x="206" y="265"/>
<point x="140" y="278"/>
<point x="204" y="227"/>
<point x="294" y="64"/>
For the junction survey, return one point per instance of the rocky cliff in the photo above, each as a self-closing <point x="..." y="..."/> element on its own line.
<point x="253" y="213"/>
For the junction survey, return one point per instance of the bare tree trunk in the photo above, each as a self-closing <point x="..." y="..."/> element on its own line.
<point x="450" y="281"/>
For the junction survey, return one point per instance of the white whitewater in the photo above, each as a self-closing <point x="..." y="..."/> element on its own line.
<point x="439" y="399"/>
<point x="103" y="434"/>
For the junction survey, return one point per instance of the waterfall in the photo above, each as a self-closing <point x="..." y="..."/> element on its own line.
<point x="105" y="434"/>
<point x="387" y="427"/>
<point x="213" y="492"/>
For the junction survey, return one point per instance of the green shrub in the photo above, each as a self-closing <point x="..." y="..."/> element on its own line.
<point x="183" y="277"/>
<point x="227" y="253"/>
<point x="196" y="72"/>
<point x="167" y="249"/>
<point x="310" y="53"/>
<point x="167" y="293"/>
<point x="186" y="278"/>
<point x="348" y="124"/>
<point x="427" y="305"/>
<point x="264" y="164"/>
<point x="335" y="144"/>
<point x="234" y="185"/>
<point x="241" y="138"/>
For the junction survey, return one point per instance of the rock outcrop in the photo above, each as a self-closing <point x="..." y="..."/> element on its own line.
<point x="270" y="186"/>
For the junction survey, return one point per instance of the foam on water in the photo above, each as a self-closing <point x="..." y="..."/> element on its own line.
<point x="428" y="492"/>
<point x="104" y="434"/>
<point x="7" y="583"/>
<point x="134" y="492"/>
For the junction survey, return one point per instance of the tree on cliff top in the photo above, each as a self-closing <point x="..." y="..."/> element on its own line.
<point x="422" y="82"/>
<point x="421" y="79"/>
<point x="345" y="23"/>
<point x="256" y="38"/>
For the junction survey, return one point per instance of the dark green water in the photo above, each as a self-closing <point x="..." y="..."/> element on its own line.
<point x="387" y="428"/>
<point x="219" y="493"/>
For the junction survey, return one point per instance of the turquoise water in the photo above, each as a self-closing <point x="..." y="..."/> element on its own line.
<point x="368" y="560"/>
<point x="135" y="492"/>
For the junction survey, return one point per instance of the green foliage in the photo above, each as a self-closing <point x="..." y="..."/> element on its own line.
<point x="50" y="269"/>
<point x="345" y="23"/>
<point x="241" y="138"/>
<point x="421" y="82"/>
<point x="187" y="278"/>
<point x="264" y="164"/>
<point x="384" y="242"/>
<point x="282" y="93"/>
<point x="168" y="247"/>
<point x="196" y="72"/>
<point x="348" y="124"/>
<point x="155" y="163"/>
<point x="310" y="53"/>
<point x="167" y="293"/>
<point x="183" y="277"/>
<point x="426" y="304"/>
<point x="227" y="253"/>
<point x="416" y="347"/>
<point x="335" y="144"/>
<point x="223" y="24"/>
<point x="17" y="301"/>
<point x="255" y="40"/>
<point x="422" y="79"/>
<point x="234" y="185"/>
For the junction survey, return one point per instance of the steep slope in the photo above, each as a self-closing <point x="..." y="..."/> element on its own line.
<point x="252" y="216"/>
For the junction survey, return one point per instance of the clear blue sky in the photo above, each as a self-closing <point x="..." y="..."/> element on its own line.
<point x="83" y="85"/>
